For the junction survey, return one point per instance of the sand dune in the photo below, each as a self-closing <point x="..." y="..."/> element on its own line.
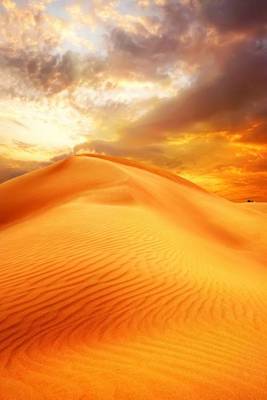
<point x="123" y="282"/>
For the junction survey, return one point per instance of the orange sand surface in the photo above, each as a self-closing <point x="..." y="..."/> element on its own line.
<point x="122" y="282"/>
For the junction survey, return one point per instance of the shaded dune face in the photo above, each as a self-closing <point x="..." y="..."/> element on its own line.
<point x="120" y="282"/>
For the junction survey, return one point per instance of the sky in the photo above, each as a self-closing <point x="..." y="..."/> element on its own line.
<point x="180" y="84"/>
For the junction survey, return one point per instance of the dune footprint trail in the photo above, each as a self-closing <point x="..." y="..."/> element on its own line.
<point x="123" y="282"/>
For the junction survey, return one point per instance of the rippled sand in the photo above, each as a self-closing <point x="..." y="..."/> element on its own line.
<point x="119" y="282"/>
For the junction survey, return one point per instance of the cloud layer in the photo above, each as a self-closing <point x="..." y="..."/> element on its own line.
<point x="181" y="84"/>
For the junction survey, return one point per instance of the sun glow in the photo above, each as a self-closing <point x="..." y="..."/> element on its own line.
<point x="51" y="126"/>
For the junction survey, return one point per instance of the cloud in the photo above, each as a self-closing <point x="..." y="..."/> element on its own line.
<point x="37" y="52"/>
<point x="235" y="15"/>
<point x="156" y="42"/>
<point x="240" y="82"/>
<point x="256" y="134"/>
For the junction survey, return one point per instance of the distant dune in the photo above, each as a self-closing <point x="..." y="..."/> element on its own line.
<point x="120" y="282"/>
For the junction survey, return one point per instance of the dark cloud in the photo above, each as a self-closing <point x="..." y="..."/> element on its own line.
<point x="173" y="35"/>
<point x="52" y="73"/>
<point x="241" y="82"/>
<point x="229" y="100"/>
<point x="174" y="21"/>
<point x="235" y="15"/>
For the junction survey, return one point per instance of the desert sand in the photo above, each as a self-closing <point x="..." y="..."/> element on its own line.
<point x="121" y="282"/>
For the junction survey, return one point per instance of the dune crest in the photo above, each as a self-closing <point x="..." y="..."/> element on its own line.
<point x="122" y="282"/>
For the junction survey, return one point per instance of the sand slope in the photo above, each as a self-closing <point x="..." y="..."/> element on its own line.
<point x="120" y="282"/>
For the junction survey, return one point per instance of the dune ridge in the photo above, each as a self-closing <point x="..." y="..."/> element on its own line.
<point x="120" y="281"/>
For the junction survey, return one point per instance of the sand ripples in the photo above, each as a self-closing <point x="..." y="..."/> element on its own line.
<point x="105" y="295"/>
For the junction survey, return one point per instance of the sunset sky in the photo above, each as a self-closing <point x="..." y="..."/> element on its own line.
<point x="178" y="84"/>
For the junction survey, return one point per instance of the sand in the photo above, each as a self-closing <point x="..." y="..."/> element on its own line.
<point x="123" y="282"/>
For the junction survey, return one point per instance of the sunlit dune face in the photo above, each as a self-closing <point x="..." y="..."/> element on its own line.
<point x="120" y="281"/>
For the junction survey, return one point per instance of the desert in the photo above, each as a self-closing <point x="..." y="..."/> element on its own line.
<point x="120" y="281"/>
